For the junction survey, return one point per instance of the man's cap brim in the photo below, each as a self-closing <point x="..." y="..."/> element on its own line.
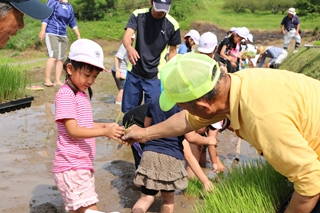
<point x="33" y="8"/>
<point x="165" y="103"/>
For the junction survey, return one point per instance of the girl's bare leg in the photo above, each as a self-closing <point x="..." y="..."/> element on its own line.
<point x="167" y="202"/>
<point x="143" y="204"/>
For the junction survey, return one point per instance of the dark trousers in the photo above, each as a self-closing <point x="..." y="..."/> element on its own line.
<point x="135" y="116"/>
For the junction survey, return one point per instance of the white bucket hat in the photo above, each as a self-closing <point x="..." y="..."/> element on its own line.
<point x="292" y="11"/>
<point x="207" y="43"/>
<point x="87" y="51"/>
<point x="195" y="35"/>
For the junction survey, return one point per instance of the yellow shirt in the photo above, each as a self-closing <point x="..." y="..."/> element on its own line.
<point x="278" y="112"/>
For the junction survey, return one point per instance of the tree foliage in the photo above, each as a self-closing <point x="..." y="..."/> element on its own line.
<point x="90" y="9"/>
<point x="308" y="6"/>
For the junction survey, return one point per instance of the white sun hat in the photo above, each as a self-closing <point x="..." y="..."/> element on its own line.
<point x="194" y="34"/>
<point x="87" y="51"/>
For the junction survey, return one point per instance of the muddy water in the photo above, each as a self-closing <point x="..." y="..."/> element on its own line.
<point x="27" y="144"/>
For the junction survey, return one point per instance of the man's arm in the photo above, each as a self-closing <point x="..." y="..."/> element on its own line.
<point x="172" y="52"/>
<point x="298" y="28"/>
<point x="283" y="31"/>
<point x="133" y="55"/>
<point x="302" y="204"/>
<point x="174" y="126"/>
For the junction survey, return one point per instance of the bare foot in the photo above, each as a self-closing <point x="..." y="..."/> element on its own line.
<point x="48" y="84"/>
<point x="58" y="83"/>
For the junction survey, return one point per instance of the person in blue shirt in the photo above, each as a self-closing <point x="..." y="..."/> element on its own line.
<point x="276" y="54"/>
<point x="191" y="38"/>
<point x="54" y="30"/>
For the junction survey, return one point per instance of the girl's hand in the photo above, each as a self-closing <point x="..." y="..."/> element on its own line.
<point x="208" y="186"/>
<point x="114" y="131"/>
<point x="118" y="74"/>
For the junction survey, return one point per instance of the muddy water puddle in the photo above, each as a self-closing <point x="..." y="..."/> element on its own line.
<point x="27" y="141"/>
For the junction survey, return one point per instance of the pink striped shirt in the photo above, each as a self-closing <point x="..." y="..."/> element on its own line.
<point x="73" y="153"/>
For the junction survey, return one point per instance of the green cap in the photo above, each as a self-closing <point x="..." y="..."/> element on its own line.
<point x="187" y="77"/>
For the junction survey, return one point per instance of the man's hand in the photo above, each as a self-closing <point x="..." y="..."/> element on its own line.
<point x="133" y="55"/>
<point x="135" y="134"/>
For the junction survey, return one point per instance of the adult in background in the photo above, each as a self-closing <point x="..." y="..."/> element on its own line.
<point x="54" y="30"/>
<point x="276" y="55"/>
<point x="12" y="14"/>
<point x="191" y="38"/>
<point x="119" y="69"/>
<point x="155" y="31"/>
<point x="290" y="28"/>
<point x="279" y="116"/>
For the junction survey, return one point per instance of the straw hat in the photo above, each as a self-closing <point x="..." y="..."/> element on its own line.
<point x="261" y="49"/>
<point x="292" y="11"/>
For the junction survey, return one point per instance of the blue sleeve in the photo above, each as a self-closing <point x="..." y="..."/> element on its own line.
<point x="283" y="21"/>
<point x="72" y="20"/>
<point x="148" y="112"/>
<point x="52" y="5"/>
<point x="183" y="49"/>
<point x="263" y="58"/>
<point x="297" y="20"/>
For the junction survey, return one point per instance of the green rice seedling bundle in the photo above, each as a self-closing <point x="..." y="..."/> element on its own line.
<point x="13" y="82"/>
<point x="194" y="189"/>
<point x="248" y="53"/>
<point x="250" y="187"/>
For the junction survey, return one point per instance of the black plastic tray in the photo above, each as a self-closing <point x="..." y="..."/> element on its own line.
<point x="16" y="104"/>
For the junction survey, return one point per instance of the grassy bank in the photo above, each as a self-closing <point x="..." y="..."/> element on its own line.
<point x="306" y="61"/>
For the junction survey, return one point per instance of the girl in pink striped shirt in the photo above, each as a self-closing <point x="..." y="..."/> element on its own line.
<point x="73" y="162"/>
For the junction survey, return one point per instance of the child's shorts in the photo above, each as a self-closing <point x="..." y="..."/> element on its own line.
<point x="161" y="172"/>
<point x="77" y="188"/>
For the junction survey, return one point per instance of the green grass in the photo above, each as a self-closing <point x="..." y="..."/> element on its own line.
<point x="251" y="187"/>
<point x="316" y="43"/>
<point x="306" y="61"/>
<point x="213" y="12"/>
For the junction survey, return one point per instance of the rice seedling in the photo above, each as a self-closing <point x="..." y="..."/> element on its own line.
<point x="251" y="187"/>
<point x="13" y="82"/>
<point x="194" y="189"/>
<point x="126" y="125"/>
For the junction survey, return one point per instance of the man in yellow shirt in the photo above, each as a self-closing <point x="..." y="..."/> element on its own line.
<point x="276" y="111"/>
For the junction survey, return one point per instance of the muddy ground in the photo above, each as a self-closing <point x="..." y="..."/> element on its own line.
<point x="27" y="144"/>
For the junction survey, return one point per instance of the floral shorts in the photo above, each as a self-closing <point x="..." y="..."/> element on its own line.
<point x="77" y="188"/>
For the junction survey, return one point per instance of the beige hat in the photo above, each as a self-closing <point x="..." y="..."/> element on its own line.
<point x="292" y="11"/>
<point x="261" y="49"/>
